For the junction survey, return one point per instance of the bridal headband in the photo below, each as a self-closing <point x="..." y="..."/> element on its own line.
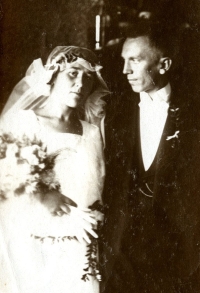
<point x="34" y="89"/>
<point x="61" y="56"/>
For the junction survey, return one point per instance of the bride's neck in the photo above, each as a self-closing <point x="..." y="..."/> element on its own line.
<point x="53" y="110"/>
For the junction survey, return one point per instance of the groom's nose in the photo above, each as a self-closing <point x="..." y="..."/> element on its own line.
<point x="127" y="67"/>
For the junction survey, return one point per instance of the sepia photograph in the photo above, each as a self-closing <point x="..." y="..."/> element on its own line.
<point x="100" y="146"/>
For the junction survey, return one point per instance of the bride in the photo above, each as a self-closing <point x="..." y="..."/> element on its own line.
<point x="47" y="239"/>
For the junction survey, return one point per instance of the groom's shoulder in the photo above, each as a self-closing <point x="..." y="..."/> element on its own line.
<point x="120" y="107"/>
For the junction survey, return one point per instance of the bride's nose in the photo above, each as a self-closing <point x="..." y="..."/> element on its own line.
<point x="79" y="83"/>
<point x="78" y="87"/>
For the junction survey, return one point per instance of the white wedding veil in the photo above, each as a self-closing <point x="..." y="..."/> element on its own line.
<point x="34" y="89"/>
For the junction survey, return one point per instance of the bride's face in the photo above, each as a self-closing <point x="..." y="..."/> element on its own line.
<point x="73" y="85"/>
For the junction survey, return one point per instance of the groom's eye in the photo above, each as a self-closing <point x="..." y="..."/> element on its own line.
<point x="134" y="60"/>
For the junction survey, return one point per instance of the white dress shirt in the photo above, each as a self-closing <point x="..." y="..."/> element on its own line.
<point x="153" y="115"/>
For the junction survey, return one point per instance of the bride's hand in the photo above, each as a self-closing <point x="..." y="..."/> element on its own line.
<point x="84" y="219"/>
<point x="57" y="203"/>
<point x="85" y="224"/>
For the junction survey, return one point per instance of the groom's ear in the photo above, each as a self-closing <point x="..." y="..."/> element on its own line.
<point x="165" y="64"/>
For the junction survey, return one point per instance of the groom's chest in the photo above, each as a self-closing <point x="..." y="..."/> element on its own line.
<point x="166" y="151"/>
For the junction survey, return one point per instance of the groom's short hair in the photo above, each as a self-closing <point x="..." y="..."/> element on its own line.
<point x="161" y="36"/>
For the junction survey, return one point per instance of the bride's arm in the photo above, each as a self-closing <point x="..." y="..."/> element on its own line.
<point x="56" y="203"/>
<point x="59" y="205"/>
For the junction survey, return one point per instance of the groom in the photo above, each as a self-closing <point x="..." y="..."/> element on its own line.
<point x="152" y="190"/>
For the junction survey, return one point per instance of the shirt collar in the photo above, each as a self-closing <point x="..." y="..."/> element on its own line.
<point x="161" y="95"/>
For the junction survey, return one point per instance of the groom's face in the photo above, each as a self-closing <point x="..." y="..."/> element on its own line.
<point x="142" y="63"/>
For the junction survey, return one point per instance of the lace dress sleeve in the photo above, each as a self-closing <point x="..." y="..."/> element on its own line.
<point x="96" y="162"/>
<point x="24" y="122"/>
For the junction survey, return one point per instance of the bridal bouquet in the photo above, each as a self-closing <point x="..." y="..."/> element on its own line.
<point x="25" y="166"/>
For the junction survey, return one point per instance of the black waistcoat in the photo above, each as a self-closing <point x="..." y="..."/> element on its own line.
<point x="140" y="234"/>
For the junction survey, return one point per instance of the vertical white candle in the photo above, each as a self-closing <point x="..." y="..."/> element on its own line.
<point x="97" y="35"/>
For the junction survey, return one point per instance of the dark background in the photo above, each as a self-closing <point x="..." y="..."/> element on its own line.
<point x="32" y="28"/>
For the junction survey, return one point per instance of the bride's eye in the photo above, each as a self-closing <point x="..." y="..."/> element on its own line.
<point x="89" y="75"/>
<point x="73" y="73"/>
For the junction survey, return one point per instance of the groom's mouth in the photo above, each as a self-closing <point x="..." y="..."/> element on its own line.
<point x="132" y="81"/>
<point x="78" y="94"/>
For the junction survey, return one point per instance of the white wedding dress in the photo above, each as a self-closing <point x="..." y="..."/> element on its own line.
<point x="27" y="264"/>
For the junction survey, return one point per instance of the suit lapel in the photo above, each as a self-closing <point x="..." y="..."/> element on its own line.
<point x="168" y="152"/>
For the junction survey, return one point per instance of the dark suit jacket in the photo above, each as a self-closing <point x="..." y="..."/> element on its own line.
<point x="175" y="203"/>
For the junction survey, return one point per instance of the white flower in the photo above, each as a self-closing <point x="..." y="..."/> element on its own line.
<point x="173" y="136"/>
<point x="42" y="154"/>
<point x="41" y="166"/>
<point x="12" y="174"/>
<point x="31" y="188"/>
<point x="27" y="153"/>
<point x="98" y="276"/>
<point x="11" y="151"/>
